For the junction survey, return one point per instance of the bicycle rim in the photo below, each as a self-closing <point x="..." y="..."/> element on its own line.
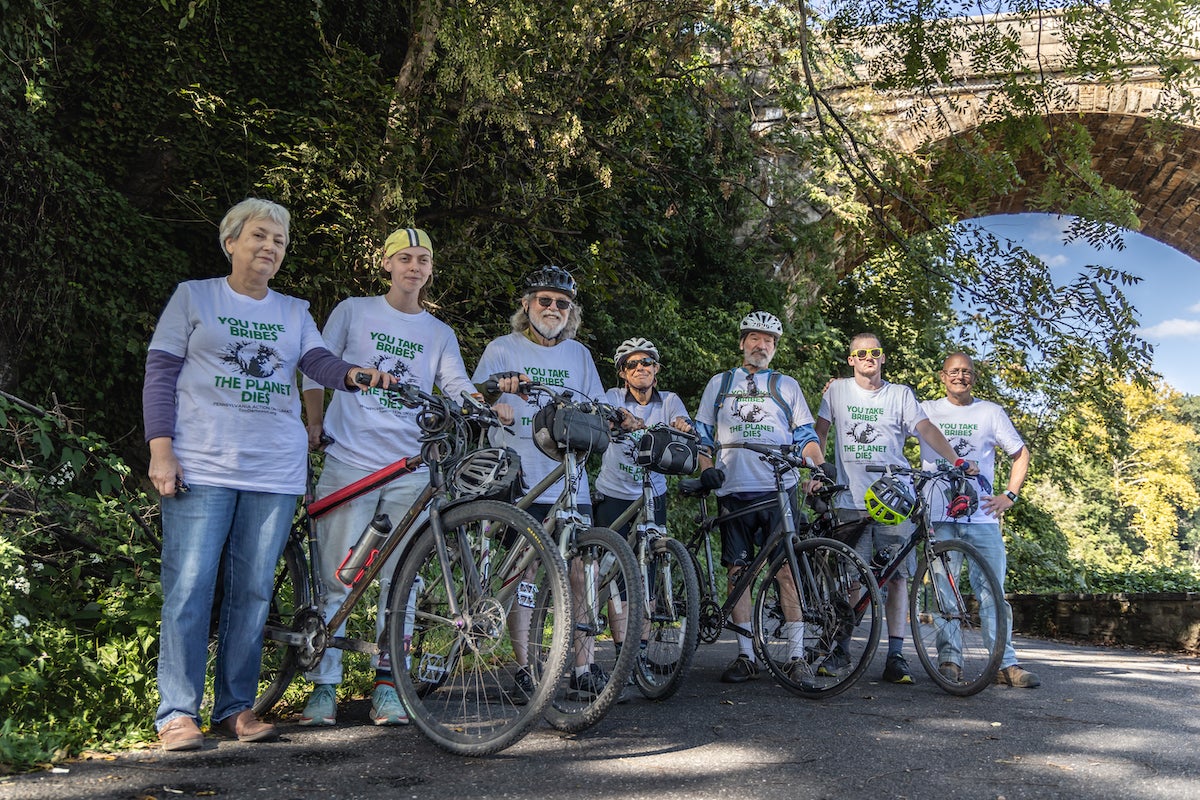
<point x="814" y="642"/>
<point x="671" y="630"/>
<point x="292" y="594"/>
<point x="465" y="675"/>
<point x="606" y="587"/>
<point x="958" y="617"/>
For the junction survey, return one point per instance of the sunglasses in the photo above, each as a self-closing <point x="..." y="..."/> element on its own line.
<point x="640" y="362"/>
<point x="559" y="303"/>
<point x="865" y="352"/>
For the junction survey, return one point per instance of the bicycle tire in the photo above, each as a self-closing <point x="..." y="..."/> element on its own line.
<point x="292" y="594"/>
<point x="973" y="638"/>
<point x="673" y="620"/>
<point x="457" y="676"/>
<point x="608" y="557"/>
<point x="838" y="644"/>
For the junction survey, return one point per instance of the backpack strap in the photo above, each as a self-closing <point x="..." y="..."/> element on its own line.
<point x="773" y="379"/>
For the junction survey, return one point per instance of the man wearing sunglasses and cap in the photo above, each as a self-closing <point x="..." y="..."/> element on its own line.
<point x="751" y="404"/>
<point x="873" y="419"/>
<point x="542" y="347"/>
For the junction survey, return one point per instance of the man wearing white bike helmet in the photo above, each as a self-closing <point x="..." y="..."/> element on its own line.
<point x="751" y="403"/>
<point x="873" y="419"/>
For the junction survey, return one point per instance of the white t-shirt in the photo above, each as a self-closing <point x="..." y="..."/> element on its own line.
<point x="237" y="404"/>
<point x="871" y="428"/>
<point x="619" y="476"/>
<point x="974" y="432"/>
<point x="751" y="416"/>
<point x="567" y="364"/>
<point x="372" y="429"/>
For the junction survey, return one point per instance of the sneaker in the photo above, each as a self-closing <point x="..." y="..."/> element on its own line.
<point x="837" y="662"/>
<point x="896" y="670"/>
<point x="740" y="670"/>
<point x="522" y="686"/>
<point x="321" y="708"/>
<point x="950" y="671"/>
<point x="181" y="733"/>
<point x="1018" y="676"/>
<point x="589" y="685"/>
<point x="386" y="708"/>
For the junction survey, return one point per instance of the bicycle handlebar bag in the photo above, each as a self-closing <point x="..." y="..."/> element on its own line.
<point x="668" y="451"/>
<point x="557" y="428"/>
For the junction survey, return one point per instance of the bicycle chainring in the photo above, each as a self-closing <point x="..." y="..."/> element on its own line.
<point x="712" y="621"/>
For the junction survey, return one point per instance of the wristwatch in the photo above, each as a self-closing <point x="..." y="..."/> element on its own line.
<point x="1011" y="495"/>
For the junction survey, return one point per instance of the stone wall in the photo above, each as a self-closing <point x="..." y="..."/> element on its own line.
<point x="1152" y="621"/>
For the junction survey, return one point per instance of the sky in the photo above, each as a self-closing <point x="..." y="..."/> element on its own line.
<point x="1167" y="299"/>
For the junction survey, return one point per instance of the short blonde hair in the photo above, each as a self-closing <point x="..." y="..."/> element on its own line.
<point x="252" y="208"/>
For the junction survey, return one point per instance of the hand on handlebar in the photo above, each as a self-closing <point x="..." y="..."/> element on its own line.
<point x="712" y="478"/>
<point x="365" y="378"/>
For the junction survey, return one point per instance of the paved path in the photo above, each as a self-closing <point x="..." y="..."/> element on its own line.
<point x="1107" y="723"/>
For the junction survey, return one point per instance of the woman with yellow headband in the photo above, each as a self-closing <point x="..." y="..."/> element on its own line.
<point x="394" y="333"/>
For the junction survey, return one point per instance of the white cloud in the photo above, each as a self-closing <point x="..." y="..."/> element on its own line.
<point x="1194" y="309"/>
<point x="1052" y="261"/>
<point x="1173" y="329"/>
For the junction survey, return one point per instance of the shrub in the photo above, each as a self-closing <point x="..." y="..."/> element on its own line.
<point x="79" y="597"/>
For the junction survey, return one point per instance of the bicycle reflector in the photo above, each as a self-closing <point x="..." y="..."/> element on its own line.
<point x="889" y="500"/>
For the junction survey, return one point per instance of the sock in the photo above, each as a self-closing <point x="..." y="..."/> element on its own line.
<point x="895" y="645"/>
<point x="794" y="631"/>
<point x="584" y="670"/>
<point x="383" y="677"/>
<point x="745" y="646"/>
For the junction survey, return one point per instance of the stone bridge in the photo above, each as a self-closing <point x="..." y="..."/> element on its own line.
<point x="1160" y="169"/>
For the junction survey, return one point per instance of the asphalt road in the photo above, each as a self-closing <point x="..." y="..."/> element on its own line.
<point x="1106" y="723"/>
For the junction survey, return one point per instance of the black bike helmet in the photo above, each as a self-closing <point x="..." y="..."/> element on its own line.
<point x="490" y="472"/>
<point x="961" y="499"/>
<point x="889" y="500"/>
<point x="551" y="277"/>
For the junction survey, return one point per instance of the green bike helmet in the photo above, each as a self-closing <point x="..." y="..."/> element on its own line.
<point x="889" y="500"/>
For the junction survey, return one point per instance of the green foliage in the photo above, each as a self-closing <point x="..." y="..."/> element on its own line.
<point x="79" y="603"/>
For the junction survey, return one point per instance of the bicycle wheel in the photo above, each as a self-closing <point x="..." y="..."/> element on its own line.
<point x="477" y="680"/>
<point x="606" y="592"/>
<point x="672" y="627"/>
<point x="817" y="642"/>
<point x="291" y="596"/>
<point x="958" y="618"/>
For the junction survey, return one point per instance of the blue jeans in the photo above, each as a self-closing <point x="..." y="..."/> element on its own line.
<point x="339" y="530"/>
<point x="986" y="538"/>
<point x="203" y="530"/>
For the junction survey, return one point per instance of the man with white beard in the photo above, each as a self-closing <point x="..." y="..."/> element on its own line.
<point x="751" y="404"/>
<point x="542" y="347"/>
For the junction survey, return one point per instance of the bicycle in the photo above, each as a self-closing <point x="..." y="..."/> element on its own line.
<point x="956" y="607"/>
<point x="672" y="588"/>
<point x="602" y="568"/>
<point x="804" y="624"/>
<point x="461" y="571"/>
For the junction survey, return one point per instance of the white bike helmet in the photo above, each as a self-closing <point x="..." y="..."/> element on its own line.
<point x="634" y="345"/>
<point x="762" y="322"/>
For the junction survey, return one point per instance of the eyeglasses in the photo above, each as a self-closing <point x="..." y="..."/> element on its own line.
<point x="960" y="373"/>
<point x="559" y="303"/>
<point x="640" y="362"/>
<point x="873" y="352"/>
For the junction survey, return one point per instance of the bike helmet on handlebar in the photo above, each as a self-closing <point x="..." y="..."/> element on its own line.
<point x="961" y="499"/>
<point x="889" y="500"/>
<point x="762" y="322"/>
<point x="553" y="278"/>
<point x="635" y="345"/>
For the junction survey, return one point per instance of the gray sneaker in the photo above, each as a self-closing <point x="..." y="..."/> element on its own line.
<point x="386" y="708"/>
<point x="321" y="708"/>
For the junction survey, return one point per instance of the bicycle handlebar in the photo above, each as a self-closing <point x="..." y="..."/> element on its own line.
<point x="943" y="472"/>
<point x="611" y="413"/>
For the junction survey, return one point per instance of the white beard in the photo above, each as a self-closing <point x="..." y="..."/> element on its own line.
<point x="759" y="359"/>
<point x="550" y="333"/>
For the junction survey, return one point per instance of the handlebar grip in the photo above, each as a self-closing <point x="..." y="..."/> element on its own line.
<point x="876" y="468"/>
